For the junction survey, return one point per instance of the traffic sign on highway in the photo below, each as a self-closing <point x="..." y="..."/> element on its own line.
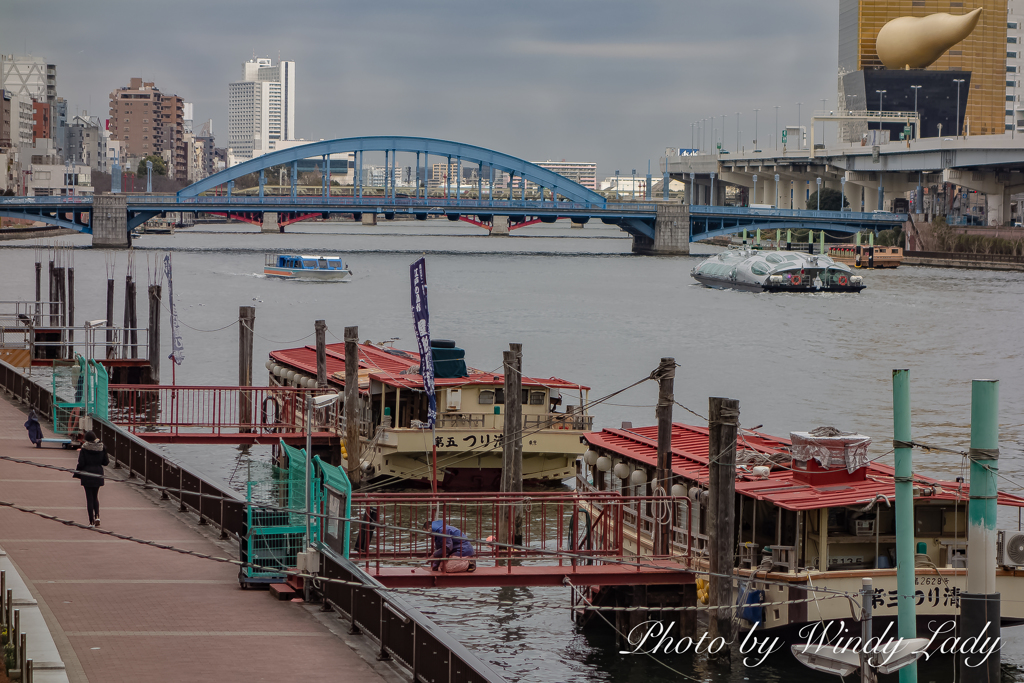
<point x="783" y="137"/>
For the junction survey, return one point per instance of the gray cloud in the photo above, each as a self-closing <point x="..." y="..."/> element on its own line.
<point x="612" y="82"/>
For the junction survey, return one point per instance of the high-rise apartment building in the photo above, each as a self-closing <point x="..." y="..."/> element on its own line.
<point x="147" y="121"/>
<point x="1014" y="64"/>
<point x="261" y="107"/>
<point x="29" y="79"/>
<point x="582" y="172"/>
<point x="980" y="58"/>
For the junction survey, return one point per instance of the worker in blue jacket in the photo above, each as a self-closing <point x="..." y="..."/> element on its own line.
<point x="449" y="541"/>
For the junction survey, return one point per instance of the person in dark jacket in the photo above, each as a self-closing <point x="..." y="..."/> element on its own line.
<point x="446" y="546"/>
<point x="92" y="458"/>
<point x="35" y="432"/>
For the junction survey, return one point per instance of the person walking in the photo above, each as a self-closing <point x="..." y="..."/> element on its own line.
<point x="92" y="458"/>
<point x="35" y="432"/>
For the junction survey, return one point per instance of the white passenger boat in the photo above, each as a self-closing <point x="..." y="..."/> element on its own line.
<point x="776" y="271"/>
<point x="302" y="267"/>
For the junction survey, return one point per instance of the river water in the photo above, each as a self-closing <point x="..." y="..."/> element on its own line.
<point x="587" y="310"/>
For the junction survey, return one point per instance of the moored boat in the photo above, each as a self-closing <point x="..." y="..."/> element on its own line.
<point x="469" y="430"/>
<point x="813" y="513"/>
<point x="312" y="267"/>
<point x="866" y="256"/>
<point x="776" y="271"/>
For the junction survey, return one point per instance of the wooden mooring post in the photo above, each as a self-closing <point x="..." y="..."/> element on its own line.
<point x="110" y="318"/>
<point x="723" y="423"/>
<point x="246" y="323"/>
<point x="512" y="444"/>
<point x="352" y="443"/>
<point x="666" y="374"/>
<point x="155" y="296"/>
<point x="321" y="353"/>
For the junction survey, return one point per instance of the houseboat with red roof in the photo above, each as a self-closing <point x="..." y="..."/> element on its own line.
<point x="808" y="515"/>
<point x="470" y="425"/>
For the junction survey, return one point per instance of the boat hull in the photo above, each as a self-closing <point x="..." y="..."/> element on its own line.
<point x="304" y="274"/>
<point x="718" y="283"/>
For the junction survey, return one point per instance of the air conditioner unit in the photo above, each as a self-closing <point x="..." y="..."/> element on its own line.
<point x="1010" y="548"/>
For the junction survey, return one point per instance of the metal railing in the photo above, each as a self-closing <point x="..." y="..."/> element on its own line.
<point x="402" y="632"/>
<point x="877" y="216"/>
<point x="553" y="528"/>
<point x="10" y="626"/>
<point x="21" y="313"/>
<point x="965" y="256"/>
<point x="215" y="410"/>
<point x="577" y="421"/>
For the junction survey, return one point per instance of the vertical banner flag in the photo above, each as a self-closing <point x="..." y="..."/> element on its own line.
<point x="421" y="320"/>
<point x="177" y="348"/>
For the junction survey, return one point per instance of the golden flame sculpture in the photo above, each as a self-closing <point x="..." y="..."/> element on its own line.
<point x="916" y="42"/>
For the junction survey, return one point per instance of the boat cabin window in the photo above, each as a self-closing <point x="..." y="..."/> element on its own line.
<point x="486" y="397"/>
<point x="791" y="257"/>
<point x="323" y="263"/>
<point x="774" y="258"/>
<point x="759" y="268"/>
<point x="499" y="396"/>
<point x="308" y="263"/>
<point x="536" y="398"/>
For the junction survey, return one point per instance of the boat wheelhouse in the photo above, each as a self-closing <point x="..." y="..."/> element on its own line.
<point x="808" y="522"/>
<point x="470" y="425"/>
<point x="306" y="266"/>
<point x="776" y="271"/>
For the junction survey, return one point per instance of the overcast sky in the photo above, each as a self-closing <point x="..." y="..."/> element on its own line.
<point x="583" y="80"/>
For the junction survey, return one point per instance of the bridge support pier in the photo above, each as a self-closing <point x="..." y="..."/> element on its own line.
<point x="671" y="232"/>
<point x="369" y="218"/>
<point x="109" y="221"/>
<point x="269" y="222"/>
<point x="499" y="226"/>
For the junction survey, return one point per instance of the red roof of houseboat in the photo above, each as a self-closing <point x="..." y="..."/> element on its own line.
<point x="783" y="487"/>
<point x="397" y="368"/>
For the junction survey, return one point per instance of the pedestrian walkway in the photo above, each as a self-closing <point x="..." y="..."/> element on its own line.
<point x="121" y="611"/>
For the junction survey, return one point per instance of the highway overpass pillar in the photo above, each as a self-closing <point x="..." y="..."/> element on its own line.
<point x="109" y="221"/>
<point x="369" y="218"/>
<point x="269" y="222"/>
<point x="671" y="232"/>
<point x="499" y="225"/>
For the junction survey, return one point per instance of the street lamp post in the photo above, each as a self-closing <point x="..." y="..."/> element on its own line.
<point x="632" y="188"/>
<point x="819" y="194"/>
<point x="755" y="192"/>
<point x="958" y="81"/>
<point x="693" y="177"/>
<point x="881" y="94"/>
<point x="823" y="101"/>
<point x="755" y="128"/>
<point x="799" y="131"/>
<point x="617" y="196"/>
<point x="777" y="127"/>
<point x="776" y="190"/>
<point x="312" y="403"/>
<point x="918" y="124"/>
<point x="712" y="189"/>
<point x="842" y="202"/>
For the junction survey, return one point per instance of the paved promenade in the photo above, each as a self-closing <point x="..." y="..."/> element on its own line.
<point x="120" y="611"/>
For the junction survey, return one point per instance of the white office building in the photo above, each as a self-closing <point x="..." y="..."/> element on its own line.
<point x="261" y="108"/>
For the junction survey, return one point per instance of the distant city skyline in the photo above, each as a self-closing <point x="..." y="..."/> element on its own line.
<point x="607" y="82"/>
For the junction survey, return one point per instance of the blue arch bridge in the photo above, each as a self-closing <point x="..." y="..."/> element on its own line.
<point x="534" y="194"/>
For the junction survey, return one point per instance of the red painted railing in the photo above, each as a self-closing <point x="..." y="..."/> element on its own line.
<point x="217" y="411"/>
<point x="556" y="528"/>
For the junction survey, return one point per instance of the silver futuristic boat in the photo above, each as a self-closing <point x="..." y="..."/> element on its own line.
<point x="776" y="271"/>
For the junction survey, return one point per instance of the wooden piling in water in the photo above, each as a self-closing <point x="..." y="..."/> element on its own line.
<point x="155" y="296"/>
<point x="110" y="317"/>
<point x="246" y="325"/>
<point x="723" y="423"/>
<point x="321" y="353"/>
<point x="352" y="443"/>
<point x="666" y="379"/>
